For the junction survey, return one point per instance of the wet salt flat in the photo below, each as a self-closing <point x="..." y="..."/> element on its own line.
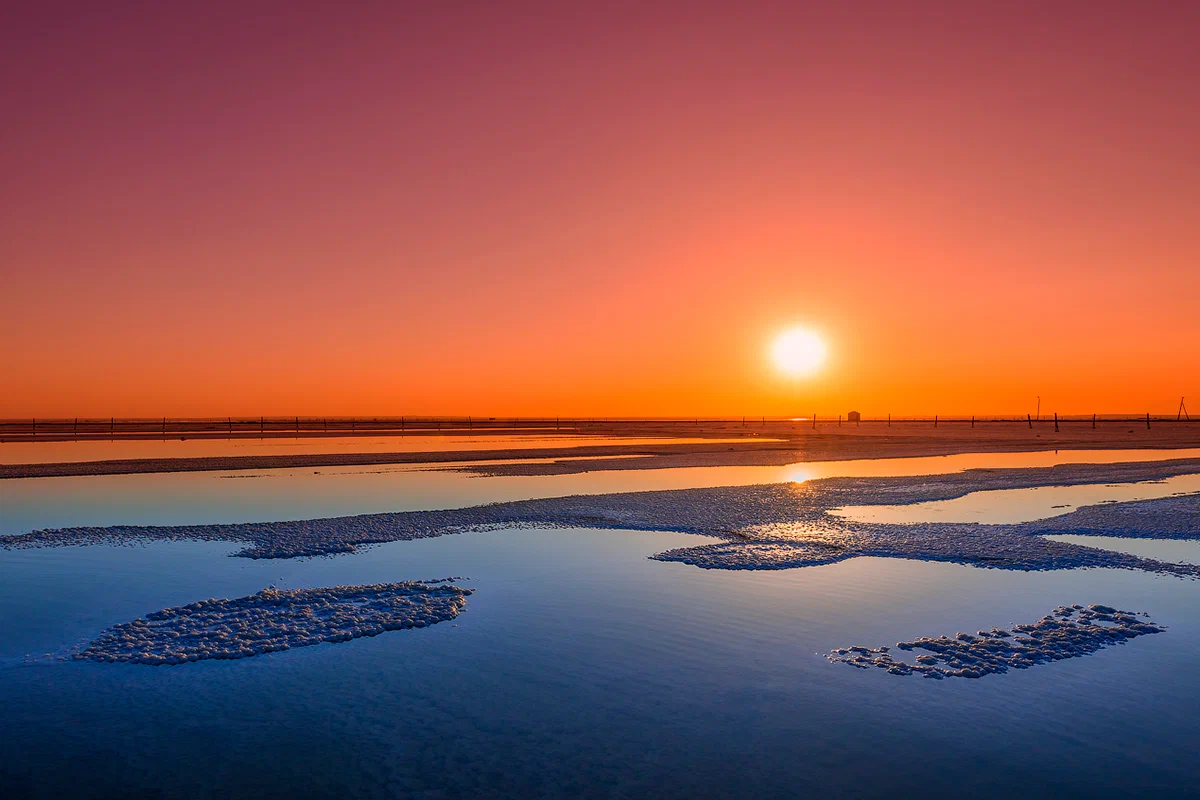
<point x="579" y="666"/>
<point x="105" y="450"/>
<point x="306" y="493"/>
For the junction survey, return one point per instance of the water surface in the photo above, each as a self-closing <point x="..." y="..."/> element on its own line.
<point x="1010" y="506"/>
<point x="580" y="667"/>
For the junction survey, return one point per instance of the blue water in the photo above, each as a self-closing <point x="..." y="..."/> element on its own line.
<point x="581" y="668"/>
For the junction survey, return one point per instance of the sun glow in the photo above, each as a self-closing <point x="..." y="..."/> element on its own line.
<point x="798" y="352"/>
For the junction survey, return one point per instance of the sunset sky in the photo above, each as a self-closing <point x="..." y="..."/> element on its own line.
<point x="507" y="208"/>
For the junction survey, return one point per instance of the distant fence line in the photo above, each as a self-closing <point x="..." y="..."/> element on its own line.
<point x="263" y="424"/>
<point x="175" y="426"/>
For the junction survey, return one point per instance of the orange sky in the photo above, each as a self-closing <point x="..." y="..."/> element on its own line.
<point x="539" y="210"/>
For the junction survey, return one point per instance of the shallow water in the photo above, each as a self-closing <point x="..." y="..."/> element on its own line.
<point x="579" y="668"/>
<point x="1162" y="549"/>
<point x="1005" y="506"/>
<point x="306" y="493"/>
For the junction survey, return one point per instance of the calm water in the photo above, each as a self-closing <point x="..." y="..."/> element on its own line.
<point x="1008" y="506"/>
<point x="579" y="669"/>
<point x="104" y="450"/>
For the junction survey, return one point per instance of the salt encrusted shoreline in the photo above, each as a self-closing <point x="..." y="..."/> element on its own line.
<point x="273" y="620"/>
<point x="1067" y="632"/>
<point x="777" y="526"/>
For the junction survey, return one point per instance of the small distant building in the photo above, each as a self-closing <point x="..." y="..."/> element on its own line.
<point x="854" y="416"/>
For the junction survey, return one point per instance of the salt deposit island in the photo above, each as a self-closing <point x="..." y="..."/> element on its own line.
<point x="273" y="620"/>
<point x="1067" y="632"/>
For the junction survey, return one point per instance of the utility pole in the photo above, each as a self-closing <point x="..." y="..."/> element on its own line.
<point x="1038" y="415"/>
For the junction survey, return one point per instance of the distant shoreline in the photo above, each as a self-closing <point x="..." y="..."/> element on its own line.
<point x="115" y="429"/>
<point x="800" y="442"/>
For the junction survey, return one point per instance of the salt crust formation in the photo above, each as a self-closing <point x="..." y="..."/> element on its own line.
<point x="273" y="620"/>
<point x="1067" y="632"/>
<point x="777" y="526"/>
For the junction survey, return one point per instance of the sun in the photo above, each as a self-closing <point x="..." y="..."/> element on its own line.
<point x="798" y="352"/>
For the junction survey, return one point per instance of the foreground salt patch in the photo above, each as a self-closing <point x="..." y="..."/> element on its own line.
<point x="1067" y="632"/>
<point x="274" y="620"/>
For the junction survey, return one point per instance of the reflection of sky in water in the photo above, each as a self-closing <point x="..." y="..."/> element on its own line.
<point x="1161" y="549"/>
<point x="103" y="450"/>
<point x="1003" y="506"/>
<point x="307" y="493"/>
<point x="579" y="666"/>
